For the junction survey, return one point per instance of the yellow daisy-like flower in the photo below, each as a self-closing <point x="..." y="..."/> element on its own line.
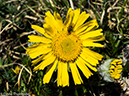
<point x="116" y="68"/>
<point x="66" y="45"/>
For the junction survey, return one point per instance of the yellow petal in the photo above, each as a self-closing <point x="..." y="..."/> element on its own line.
<point x="40" y="30"/>
<point x="90" y="28"/>
<point x="91" y="34"/>
<point x="45" y="63"/>
<point x="59" y="74"/>
<point x="112" y="67"/>
<point x="68" y="20"/>
<point x="119" y="71"/>
<point x="65" y="76"/>
<point x="34" y="52"/>
<point x="37" y="49"/>
<point x="119" y="66"/>
<point x="34" y="62"/>
<point x="75" y="74"/>
<point x="117" y="60"/>
<point x="49" y="30"/>
<point x="76" y="15"/>
<point x="48" y="55"/>
<point x="117" y="76"/>
<point x="88" y="43"/>
<point x="113" y="62"/>
<point x="17" y="70"/>
<point x="87" y="26"/>
<point x="89" y="65"/>
<point x="100" y="38"/>
<point x="34" y="38"/>
<point x="111" y="71"/>
<point x="48" y="75"/>
<point x="69" y="11"/>
<point x="33" y="47"/>
<point x="89" y="59"/>
<point x="81" y="19"/>
<point x="50" y="20"/>
<point x="92" y="54"/>
<point x="83" y="68"/>
<point x="59" y="21"/>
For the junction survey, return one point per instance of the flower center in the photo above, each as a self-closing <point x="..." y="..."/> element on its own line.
<point x="66" y="47"/>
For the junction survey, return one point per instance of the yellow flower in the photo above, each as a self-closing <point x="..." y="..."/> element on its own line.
<point x="17" y="70"/>
<point x="116" y="68"/>
<point x="66" y="45"/>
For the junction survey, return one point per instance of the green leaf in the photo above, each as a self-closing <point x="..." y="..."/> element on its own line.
<point x="76" y="93"/>
<point x="60" y="94"/>
<point x="84" y="89"/>
<point x="122" y="9"/>
<point x="126" y="42"/>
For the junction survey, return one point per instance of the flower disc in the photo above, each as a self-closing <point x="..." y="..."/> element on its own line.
<point x="66" y="46"/>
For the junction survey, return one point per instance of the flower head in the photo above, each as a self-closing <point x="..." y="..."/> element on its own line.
<point x="111" y="69"/>
<point x="103" y="70"/>
<point x="116" y="68"/>
<point x="66" y="45"/>
<point x="17" y="70"/>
